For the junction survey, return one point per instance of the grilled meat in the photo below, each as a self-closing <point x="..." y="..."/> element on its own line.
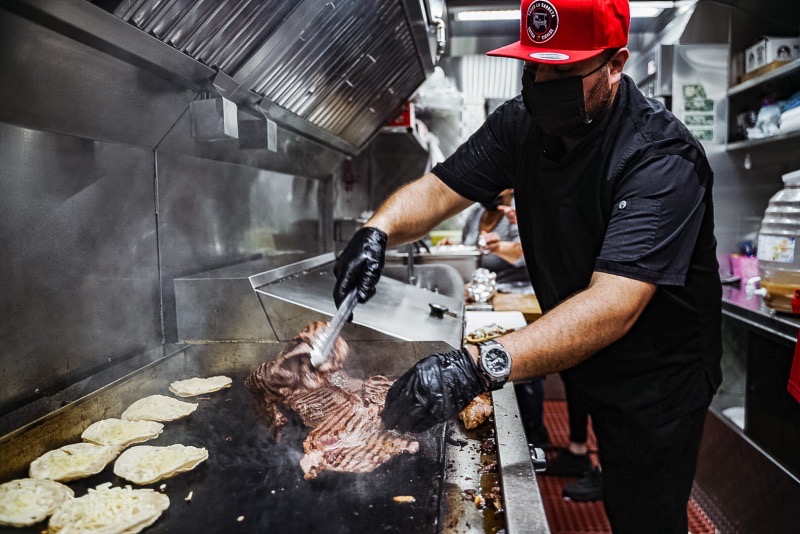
<point x="375" y="389"/>
<point x="292" y="371"/>
<point x="343" y="412"/>
<point x="477" y="412"/>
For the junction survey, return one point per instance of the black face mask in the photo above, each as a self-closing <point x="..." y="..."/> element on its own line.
<point x="558" y="107"/>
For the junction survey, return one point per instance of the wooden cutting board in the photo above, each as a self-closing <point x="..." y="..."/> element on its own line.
<point x="527" y="304"/>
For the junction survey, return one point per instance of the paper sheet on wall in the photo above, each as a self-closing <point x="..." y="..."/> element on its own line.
<point x="698" y="112"/>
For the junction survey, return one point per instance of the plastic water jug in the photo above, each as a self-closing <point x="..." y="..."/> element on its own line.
<point x="778" y="244"/>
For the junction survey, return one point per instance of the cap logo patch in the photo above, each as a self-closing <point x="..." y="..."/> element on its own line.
<point x="541" y="21"/>
<point x="550" y="56"/>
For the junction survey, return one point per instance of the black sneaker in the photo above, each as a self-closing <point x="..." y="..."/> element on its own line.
<point x="566" y="464"/>
<point x="587" y="489"/>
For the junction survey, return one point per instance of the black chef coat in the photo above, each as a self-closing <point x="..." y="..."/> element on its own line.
<point x="633" y="199"/>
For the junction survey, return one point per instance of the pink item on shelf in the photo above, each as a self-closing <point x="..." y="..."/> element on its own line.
<point x="736" y="265"/>
<point x="749" y="267"/>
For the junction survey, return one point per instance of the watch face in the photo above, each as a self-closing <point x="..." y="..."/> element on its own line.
<point x="496" y="362"/>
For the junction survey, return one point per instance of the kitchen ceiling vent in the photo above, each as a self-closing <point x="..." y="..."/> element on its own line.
<point x="344" y="66"/>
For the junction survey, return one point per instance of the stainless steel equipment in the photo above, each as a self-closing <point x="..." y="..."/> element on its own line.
<point x="463" y="258"/>
<point x="248" y="461"/>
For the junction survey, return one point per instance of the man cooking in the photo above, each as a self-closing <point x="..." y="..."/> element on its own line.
<point x="614" y="205"/>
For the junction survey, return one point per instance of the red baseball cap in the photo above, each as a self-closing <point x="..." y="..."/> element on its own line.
<point x="568" y="31"/>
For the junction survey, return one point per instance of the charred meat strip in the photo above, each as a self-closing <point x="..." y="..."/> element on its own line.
<point x="375" y="389"/>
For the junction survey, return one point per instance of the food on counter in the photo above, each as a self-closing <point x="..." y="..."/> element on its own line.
<point x="158" y="408"/>
<point x="343" y="412"/>
<point x="28" y="501"/>
<point x="110" y="511"/>
<point x="146" y="464"/>
<point x="485" y="333"/>
<point x="495" y="497"/>
<point x="477" y="412"/>
<point x="404" y="498"/>
<point x="71" y="462"/>
<point x="199" y="386"/>
<point x="121" y="433"/>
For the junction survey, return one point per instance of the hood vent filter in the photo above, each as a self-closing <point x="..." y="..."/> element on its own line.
<point x="344" y="66"/>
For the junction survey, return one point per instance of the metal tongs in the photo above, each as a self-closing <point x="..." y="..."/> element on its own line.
<point x="322" y="348"/>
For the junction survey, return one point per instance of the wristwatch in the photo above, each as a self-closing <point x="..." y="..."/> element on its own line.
<point x="494" y="363"/>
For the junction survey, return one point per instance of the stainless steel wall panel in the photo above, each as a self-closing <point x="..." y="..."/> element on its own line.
<point x="54" y="83"/>
<point x="79" y="259"/>
<point x="213" y="214"/>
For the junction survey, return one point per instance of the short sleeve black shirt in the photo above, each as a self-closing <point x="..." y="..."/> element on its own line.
<point x="632" y="199"/>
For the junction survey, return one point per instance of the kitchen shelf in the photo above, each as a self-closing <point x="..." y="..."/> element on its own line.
<point x="786" y="70"/>
<point x="753" y="143"/>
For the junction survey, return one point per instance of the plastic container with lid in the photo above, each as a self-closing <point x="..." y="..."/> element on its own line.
<point x="778" y="244"/>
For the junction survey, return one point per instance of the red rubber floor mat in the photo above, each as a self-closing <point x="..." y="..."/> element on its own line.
<point x="567" y="517"/>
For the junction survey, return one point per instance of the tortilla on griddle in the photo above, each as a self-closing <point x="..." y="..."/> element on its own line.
<point x="71" y="462"/>
<point x="28" y="501"/>
<point x="199" y="386"/>
<point x="109" y="510"/>
<point x="158" y="408"/>
<point x="146" y="464"/>
<point x="121" y="433"/>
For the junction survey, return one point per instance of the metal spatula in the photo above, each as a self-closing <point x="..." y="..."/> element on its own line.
<point x="323" y="344"/>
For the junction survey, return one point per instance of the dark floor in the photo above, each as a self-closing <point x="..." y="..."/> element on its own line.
<point x="567" y="517"/>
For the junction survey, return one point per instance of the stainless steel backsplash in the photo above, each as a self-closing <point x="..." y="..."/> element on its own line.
<point x="106" y="198"/>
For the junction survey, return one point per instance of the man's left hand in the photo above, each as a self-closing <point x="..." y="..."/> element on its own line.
<point x="434" y="390"/>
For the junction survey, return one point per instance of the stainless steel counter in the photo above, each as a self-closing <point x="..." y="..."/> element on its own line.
<point x="751" y="310"/>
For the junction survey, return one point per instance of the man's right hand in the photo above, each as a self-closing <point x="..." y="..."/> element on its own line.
<point x="360" y="264"/>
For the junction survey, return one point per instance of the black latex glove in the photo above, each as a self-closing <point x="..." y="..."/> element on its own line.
<point x="360" y="264"/>
<point x="434" y="390"/>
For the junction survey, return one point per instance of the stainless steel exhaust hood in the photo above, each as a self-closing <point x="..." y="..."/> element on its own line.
<point x="333" y="69"/>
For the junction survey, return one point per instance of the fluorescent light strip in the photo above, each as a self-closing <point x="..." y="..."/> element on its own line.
<point x="638" y="10"/>
<point x="500" y="14"/>
<point x="644" y="10"/>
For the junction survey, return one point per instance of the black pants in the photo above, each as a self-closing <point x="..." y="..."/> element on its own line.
<point x="578" y="415"/>
<point x="648" y="470"/>
<point x="530" y="398"/>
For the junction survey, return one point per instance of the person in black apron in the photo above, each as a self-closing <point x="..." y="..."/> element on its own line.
<point x="615" y="215"/>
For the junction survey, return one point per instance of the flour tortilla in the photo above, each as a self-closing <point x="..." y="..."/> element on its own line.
<point x="199" y="386"/>
<point x="121" y="433"/>
<point x="158" y="408"/>
<point x="145" y="464"/>
<point x="28" y="501"/>
<point x="71" y="462"/>
<point x="107" y="510"/>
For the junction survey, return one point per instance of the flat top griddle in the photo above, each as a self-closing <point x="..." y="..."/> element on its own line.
<point x="253" y="471"/>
